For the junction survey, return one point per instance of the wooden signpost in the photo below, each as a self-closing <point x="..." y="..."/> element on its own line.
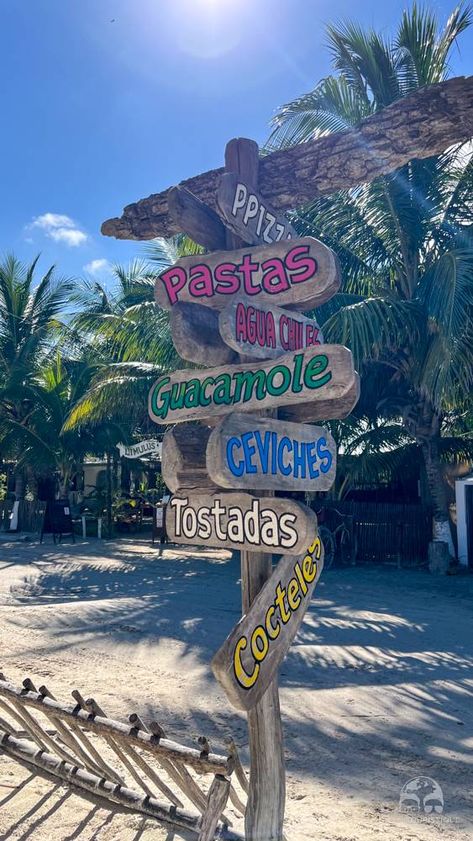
<point x="240" y="521"/>
<point x="250" y="451"/>
<point x="266" y="332"/>
<point x="301" y="274"/>
<point x="238" y="312"/>
<point x="248" y="214"/>
<point x="249" y="658"/>
<point x="317" y="374"/>
<point x="297" y="274"/>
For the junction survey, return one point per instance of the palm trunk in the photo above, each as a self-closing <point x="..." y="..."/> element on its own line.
<point x="435" y="481"/>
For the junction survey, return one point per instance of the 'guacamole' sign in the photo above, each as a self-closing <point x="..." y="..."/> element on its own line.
<point x="248" y="660"/>
<point x="310" y="375"/>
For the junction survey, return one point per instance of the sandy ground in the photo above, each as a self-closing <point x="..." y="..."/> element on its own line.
<point x="377" y="688"/>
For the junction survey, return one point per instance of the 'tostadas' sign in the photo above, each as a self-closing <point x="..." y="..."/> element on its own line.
<point x="240" y="521"/>
<point x="266" y="331"/>
<point x="246" y="663"/>
<point x="316" y="374"/>
<point x="144" y="448"/>
<point x="248" y="214"/>
<point x="246" y="451"/>
<point x="300" y="274"/>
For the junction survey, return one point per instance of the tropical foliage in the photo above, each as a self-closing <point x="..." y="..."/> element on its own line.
<point x="406" y="250"/>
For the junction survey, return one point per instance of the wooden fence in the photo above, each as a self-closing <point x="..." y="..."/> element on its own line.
<point x="30" y="515"/>
<point x="389" y="532"/>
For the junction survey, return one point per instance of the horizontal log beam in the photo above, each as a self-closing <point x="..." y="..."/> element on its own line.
<point x="420" y="125"/>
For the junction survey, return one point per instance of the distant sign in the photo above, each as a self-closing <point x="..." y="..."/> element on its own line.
<point x="313" y="375"/>
<point x="247" y="451"/>
<point x="144" y="448"/>
<point x="301" y="274"/>
<point x="248" y="214"/>
<point x="239" y="521"/>
<point x="266" y="331"/>
<point x="248" y="660"/>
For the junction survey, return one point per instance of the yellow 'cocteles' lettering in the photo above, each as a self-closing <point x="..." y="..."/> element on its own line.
<point x="286" y="602"/>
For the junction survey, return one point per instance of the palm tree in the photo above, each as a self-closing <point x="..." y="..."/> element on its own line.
<point x="404" y="241"/>
<point x="29" y="326"/>
<point x="129" y="337"/>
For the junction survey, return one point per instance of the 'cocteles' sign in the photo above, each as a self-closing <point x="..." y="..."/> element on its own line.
<point x="246" y="663"/>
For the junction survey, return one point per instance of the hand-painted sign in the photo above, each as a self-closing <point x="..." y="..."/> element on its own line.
<point x="248" y="214"/>
<point x="240" y="521"/>
<point x="247" y="451"/>
<point x="144" y="448"/>
<point x="248" y="660"/>
<point x="266" y="331"/>
<point x="316" y="374"/>
<point x="300" y="274"/>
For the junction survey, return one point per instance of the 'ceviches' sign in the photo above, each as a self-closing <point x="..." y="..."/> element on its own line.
<point x="299" y="274"/>
<point x="248" y="660"/>
<point x="246" y="451"/>
<point x="311" y="375"/>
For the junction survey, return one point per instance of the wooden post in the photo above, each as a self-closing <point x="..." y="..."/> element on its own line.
<point x="267" y="789"/>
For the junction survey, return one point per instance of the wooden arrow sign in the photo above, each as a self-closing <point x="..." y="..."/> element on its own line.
<point x="247" y="451"/>
<point x="300" y="274"/>
<point x="266" y="331"/>
<point x="183" y="463"/>
<point x="248" y="214"/>
<point x="240" y="521"/>
<point x="319" y="375"/>
<point x="248" y="660"/>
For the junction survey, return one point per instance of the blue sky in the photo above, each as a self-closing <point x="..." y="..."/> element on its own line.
<point x="106" y="101"/>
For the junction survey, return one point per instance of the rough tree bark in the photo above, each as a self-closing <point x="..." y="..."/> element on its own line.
<point x="418" y="126"/>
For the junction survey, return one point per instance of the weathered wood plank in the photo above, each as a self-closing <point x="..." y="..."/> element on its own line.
<point x="183" y="464"/>
<point x="121" y="732"/>
<point x="324" y="409"/>
<point x="240" y="521"/>
<point x="216" y="802"/>
<point x="266" y="332"/>
<point x="68" y="771"/>
<point x="196" y="336"/>
<point x="246" y="451"/>
<point x="196" y="218"/>
<point x="422" y="124"/>
<point x="248" y="214"/>
<point x="248" y="660"/>
<point x="315" y="375"/>
<point x="300" y="274"/>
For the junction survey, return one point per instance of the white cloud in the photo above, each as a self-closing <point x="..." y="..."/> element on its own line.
<point x="98" y="267"/>
<point x="60" y="228"/>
